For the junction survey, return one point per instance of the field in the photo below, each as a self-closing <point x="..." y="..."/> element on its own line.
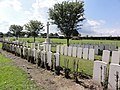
<point x="13" y="78"/>
<point x="63" y="41"/>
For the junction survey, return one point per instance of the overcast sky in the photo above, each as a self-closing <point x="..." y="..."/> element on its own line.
<point x="102" y="16"/>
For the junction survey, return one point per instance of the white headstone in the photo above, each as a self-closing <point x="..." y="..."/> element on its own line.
<point x="29" y="52"/>
<point x="70" y="51"/>
<point x="114" y="69"/>
<point x="18" y="49"/>
<point x="91" y="46"/>
<point x="38" y="54"/>
<point x="34" y="52"/>
<point x="38" y="48"/>
<point x="32" y="45"/>
<point x="44" y="47"/>
<point x="49" y="48"/>
<point x="79" y="52"/>
<point x="106" y="56"/>
<point x="13" y="48"/>
<point x="91" y="54"/>
<point x="78" y="45"/>
<point x="101" y="47"/>
<point x="85" y="53"/>
<point x="74" y="52"/>
<point x="27" y="44"/>
<point x="106" y="47"/>
<point x="118" y="48"/>
<point x="96" y="49"/>
<point x="58" y="49"/>
<point x="49" y="58"/>
<point x="43" y="56"/>
<point x="61" y="49"/>
<point x="86" y="46"/>
<point x="115" y="57"/>
<point x="99" y="71"/>
<point x="75" y="45"/>
<point x="65" y="50"/>
<point x="57" y="56"/>
<point x="82" y="46"/>
<point x="112" y="47"/>
<point x="24" y="49"/>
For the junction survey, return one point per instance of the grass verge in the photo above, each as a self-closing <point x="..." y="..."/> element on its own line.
<point x="13" y="78"/>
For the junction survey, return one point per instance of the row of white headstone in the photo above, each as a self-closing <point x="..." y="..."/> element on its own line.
<point x="101" y="68"/>
<point x="33" y="52"/>
<point x="78" y="52"/>
<point x="46" y="50"/>
<point x="101" y="46"/>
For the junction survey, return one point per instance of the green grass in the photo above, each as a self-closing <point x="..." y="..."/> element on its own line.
<point x="0" y="45"/>
<point x="13" y="78"/>
<point x="63" y="41"/>
<point x="85" y="66"/>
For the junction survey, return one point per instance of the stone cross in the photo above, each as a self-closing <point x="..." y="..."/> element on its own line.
<point x="48" y="30"/>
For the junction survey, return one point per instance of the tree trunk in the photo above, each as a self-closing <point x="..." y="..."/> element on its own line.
<point x="67" y="41"/>
<point x="16" y="37"/>
<point x="34" y="39"/>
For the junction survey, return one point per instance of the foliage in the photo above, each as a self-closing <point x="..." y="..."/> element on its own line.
<point x="53" y="35"/>
<point x="8" y="34"/>
<point x="66" y="16"/>
<point x="1" y="34"/>
<point x="15" y="30"/>
<point x="34" y="27"/>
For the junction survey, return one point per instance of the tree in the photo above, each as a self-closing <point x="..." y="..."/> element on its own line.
<point x="66" y="16"/>
<point x="1" y="35"/>
<point x="56" y="35"/>
<point x="34" y="27"/>
<point x="51" y="35"/>
<point x="8" y="34"/>
<point x="15" y="30"/>
<point x="75" y="33"/>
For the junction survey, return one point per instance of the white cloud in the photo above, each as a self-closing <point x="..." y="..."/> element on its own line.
<point x="90" y="27"/>
<point x="14" y="4"/>
<point x="4" y="26"/>
<point x="13" y="12"/>
<point x="97" y="28"/>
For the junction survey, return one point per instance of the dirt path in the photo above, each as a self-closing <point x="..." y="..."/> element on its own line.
<point x="47" y="79"/>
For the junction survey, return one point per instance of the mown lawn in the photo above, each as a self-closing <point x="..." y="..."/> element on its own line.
<point x="13" y="78"/>
<point x="63" y="41"/>
<point x="85" y="66"/>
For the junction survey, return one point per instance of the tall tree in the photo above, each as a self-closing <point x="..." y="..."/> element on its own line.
<point x="34" y="27"/>
<point x="16" y="30"/>
<point x="66" y="16"/>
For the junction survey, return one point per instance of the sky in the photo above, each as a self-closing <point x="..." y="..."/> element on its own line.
<point x="102" y="16"/>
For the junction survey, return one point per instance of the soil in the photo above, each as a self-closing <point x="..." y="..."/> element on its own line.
<point x="47" y="79"/>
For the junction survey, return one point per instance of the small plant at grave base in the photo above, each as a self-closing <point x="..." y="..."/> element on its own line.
<point x="66" y="70"/>
<point x="42" y="61"/>
<point x="82" y="75"/>
<point x="57" y="68"/>
<point x="105" y="82"/>
<point x="75" y="68"/>
<point x="117" y="79"/>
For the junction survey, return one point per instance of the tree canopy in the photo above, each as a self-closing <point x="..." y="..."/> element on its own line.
<point x="66" y="16"/>
<point x="16" y="30"/>
<point x="34" y="27"/>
